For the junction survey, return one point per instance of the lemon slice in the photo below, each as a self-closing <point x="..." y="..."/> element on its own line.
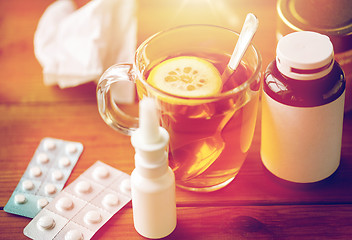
<point x="186" y="76"/>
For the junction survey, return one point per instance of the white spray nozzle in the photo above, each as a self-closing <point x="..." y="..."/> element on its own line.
<point x="148" y="121"/>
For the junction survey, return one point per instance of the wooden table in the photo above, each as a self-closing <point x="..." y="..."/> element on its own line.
<point x="254" y="205"/>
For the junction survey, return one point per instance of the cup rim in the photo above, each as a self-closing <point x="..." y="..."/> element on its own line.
<point x="230" y="92"/>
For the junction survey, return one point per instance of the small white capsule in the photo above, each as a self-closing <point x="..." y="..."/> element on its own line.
<point x="126" y="186"/>
<point x="71" y="148"/>
<point x="64" y="204"/>
<point x="57" y="175"/>
<point x="101" y="172"/>
<point x="92" y="217"/>
<point x="42" y="158"/>
<point x="20" y="199"/>
<point x="83" y="187"/>
<point x="27" y="185"/>
<point x="49" y="145"/>
<point x="74" y="234"/>
<point x="46" y="223"/>
<point x="50" y="189"/>
<point x="111" y="200"/>
<point x="64" y="162"/>
<point x="41" y="203"/>
<point x="35" y="171"/>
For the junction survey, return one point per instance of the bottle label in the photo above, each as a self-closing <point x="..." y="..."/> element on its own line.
<point x="301" y="144"/>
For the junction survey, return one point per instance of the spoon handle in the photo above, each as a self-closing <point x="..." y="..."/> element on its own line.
<point x="249" y="28"/>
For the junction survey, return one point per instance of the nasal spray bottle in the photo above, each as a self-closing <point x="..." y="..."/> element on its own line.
<point x="152" y="180"/>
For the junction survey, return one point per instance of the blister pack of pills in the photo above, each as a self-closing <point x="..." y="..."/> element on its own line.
<point x="45" y="176"/>
<point x="84" y="206"/>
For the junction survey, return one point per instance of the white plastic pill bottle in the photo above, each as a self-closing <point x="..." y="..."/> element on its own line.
<point x="302" y="109"/>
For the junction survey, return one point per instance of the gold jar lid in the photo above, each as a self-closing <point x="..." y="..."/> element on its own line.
<point x="332" y="18"/>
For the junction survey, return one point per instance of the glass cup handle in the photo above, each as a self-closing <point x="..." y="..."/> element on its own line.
<point x="116" y="97"/>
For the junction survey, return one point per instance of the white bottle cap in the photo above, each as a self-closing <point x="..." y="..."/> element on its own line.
<point x="150" y="141"/>
<point x="305" y="55"/>
<point x="148" y="122"/>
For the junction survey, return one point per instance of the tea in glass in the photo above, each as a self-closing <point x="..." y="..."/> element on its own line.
<point x="210" y="135"/>
<point x="210" y="120"/>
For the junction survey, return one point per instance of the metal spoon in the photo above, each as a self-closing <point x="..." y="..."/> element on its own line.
<point x="249" y="28"/>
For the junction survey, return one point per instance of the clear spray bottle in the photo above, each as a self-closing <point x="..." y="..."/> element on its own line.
<point x="152" y="180"/>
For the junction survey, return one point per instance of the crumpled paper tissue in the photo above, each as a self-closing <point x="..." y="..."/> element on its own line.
<point x="75" y="46"/>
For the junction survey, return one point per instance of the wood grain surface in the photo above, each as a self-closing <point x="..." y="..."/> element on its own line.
<point x="256" y="205"/>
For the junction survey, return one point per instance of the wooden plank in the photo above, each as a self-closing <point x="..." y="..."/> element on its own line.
<point x="255" y="205"/>
<point x="24" y="125"/>
<point x="231" y="222"/>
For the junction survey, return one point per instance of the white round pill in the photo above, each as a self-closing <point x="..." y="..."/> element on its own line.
<point x="57" y="175"/>
<point x="64" y="162"/>
<point x="35" y="171"/>
<point x="41" y="203"/>
<point x="49" y="145"/>
<point x="101" y="172"/>
<point x="111" y="200"/>
<point x="83" y="187"/>
<point x="125" y="186"/>
<point x="20" y="199"/>
<point x="71" y="148"/>
<point x="92" y="217"/>
<point x="50" y="188"/>
<point x="64" y="204"/>
<point x="46" y="222"/>
<point x="27" y="185"/>
<point x="42" y="158"/>
<point x="74" y="234"/>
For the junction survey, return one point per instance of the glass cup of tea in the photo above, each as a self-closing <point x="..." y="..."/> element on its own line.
<point x="210" y="121"/>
